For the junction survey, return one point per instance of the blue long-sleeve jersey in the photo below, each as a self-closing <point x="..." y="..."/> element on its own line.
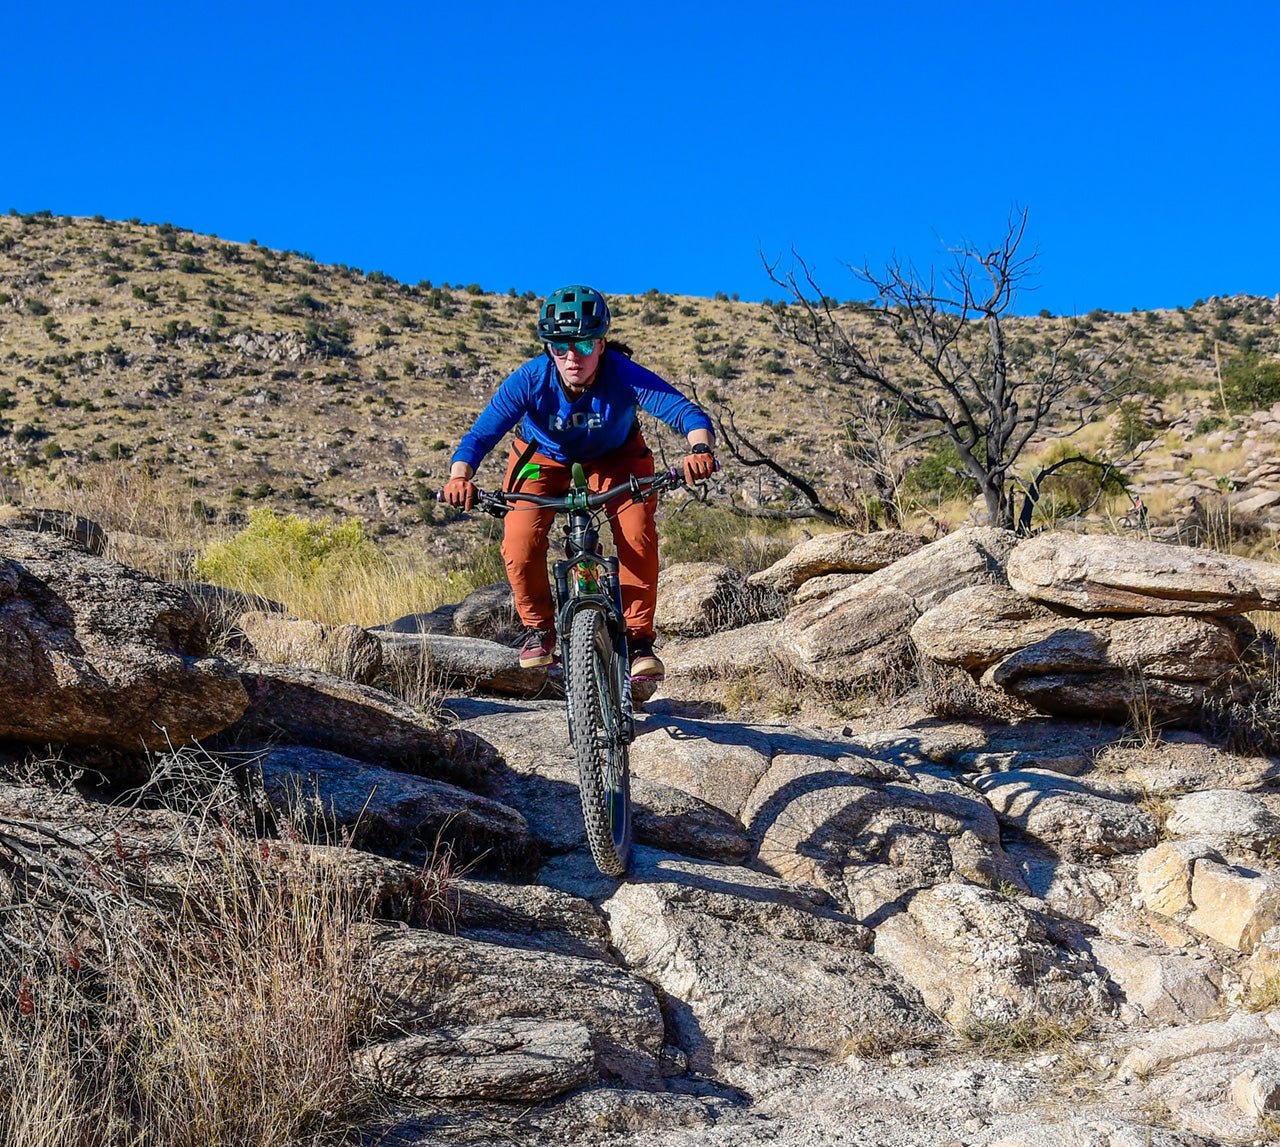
<point x="577" y="431"/>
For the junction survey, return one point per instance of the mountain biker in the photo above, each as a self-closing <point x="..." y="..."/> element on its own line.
<point x="578" y="404"/>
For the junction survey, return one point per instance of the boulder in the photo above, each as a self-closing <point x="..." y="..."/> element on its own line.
<point x="1233" y="905"/>
<point x="1001" y="964"/>
<point x="1256" y="1090"/>
<point x="753" y="974"/>
<point x="1226" y="817"/>
<point x="222" y="608"/>
<point x="673" y="820"/>
<point x="1239" y="1035"/>
<point x="870" y="833"/>
<point x="439" y="620"/>
<point x="94" y="653"/>
<point x="488" y="612"/>
<point x="539" y="774"/>
<point x="1081" y="892"/>
<point x="732" y="653"/>
<point x="697" y="598"/>
<point x="526" y="1061"/>
<point x="719" y="763"/>
<point x="387" y="811"/>
<point x="837" y="553"/>
<point x="1166" y="666"/>
<point x="343" y="650"/>
<point x="976" y="627"/>
<point x="816" y="588"/>
<point x="470" y="662"/>
<point x="1096" y="573"/>
<point x="1067" y="817"/>
<point x="861" y="633"/>
<point x="61" y="522"/>
<point x="427" y="980"/>
<point x="1168" y="987"/>
<point x="541" y="781"/>
<point x="293" y="706"/>
<point x="1086" y="1131"/>
<point x="525" y="916"/>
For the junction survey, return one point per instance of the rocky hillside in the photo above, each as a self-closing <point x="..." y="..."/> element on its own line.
<point x="256" y="376"/>
<point x="1023" y="900"/>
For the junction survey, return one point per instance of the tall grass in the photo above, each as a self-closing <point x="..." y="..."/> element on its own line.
<point x="206" y="992"/>
<point x="133" y="504"/>
<point x="336" y="573"/>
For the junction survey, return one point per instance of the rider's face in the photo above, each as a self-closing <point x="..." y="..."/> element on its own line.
<point x="577" y="370"/>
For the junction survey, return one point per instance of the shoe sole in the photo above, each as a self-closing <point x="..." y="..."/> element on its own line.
<point x="537" y="662"/>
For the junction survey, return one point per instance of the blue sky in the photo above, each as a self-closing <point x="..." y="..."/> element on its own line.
<point x="659" y="145"/>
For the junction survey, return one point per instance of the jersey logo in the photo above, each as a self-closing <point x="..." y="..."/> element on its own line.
<point x="579" y="420"/>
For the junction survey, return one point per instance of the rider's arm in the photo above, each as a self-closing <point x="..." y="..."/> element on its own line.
<point x="659" y="398"/>
<point x="702" y="436"/>
<point x="504" y="410"/>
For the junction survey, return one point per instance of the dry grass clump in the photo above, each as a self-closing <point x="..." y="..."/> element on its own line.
<point x="948" y="692"/>
<point x="204" y="988"/>
<point x="152" y="518"/>
<point x="1025" y="1033"/>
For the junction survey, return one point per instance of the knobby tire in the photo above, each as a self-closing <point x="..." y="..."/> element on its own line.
<point x="595" y="713"/>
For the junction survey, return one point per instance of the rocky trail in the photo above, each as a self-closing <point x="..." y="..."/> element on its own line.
<point x="1032" y="924"/>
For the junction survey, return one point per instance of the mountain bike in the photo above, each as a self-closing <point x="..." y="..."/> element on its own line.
<point x="597" y="666"/>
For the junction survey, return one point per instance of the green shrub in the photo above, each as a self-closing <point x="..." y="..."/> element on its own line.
<point x="940" y="475"/>
<point x="36" y="307"/>
<point x="1251" y="381"/>
<point x="1209" y="425"/>
<point x="275" y="551"/>
<point x="28" y="433"/>
<point x="1131" y="426"/>
<point x="1075" y="487"/>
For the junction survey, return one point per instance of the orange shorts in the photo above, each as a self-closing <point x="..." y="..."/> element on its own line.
<point x="635" y="535"/>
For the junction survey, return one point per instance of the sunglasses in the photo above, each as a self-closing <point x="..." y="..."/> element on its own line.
<point x="583" y="347"/>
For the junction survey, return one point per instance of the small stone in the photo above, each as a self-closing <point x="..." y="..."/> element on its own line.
<point x="1164" y="875"/>
<point x="1257" y="1091"/>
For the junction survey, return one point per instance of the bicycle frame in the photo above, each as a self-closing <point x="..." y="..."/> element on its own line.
<point x="587" y="589"/>
<point x="594" y="583"/>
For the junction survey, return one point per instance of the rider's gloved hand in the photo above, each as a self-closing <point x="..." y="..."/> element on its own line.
<point x="698" y="467"/>
<point x="460" y="492"/>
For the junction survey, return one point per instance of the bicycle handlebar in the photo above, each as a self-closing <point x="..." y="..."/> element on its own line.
<point x="500" y="501"/>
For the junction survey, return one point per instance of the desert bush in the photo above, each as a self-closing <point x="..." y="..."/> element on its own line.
<point x="202" y="989"/>
<point x="940" y="475"/>
<point x="336" y="573"/>
<point x="1251" y="381"/>
<point x="1131" y="426"/>
<point x="694" y="532"/>
<point x="1074" y="487"/>
<point x="274" y="553"/>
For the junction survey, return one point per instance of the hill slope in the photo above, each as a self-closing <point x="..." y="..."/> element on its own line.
<point x="262" y="376"/>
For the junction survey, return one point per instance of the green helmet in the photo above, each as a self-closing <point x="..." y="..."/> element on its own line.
<point x="573" y="312"/>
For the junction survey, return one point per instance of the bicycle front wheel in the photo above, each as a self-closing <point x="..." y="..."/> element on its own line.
<point x="599" y="740"/>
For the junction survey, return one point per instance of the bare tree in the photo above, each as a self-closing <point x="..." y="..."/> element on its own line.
<point x="737" y="445"/>
<point x="960" y="375"/>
